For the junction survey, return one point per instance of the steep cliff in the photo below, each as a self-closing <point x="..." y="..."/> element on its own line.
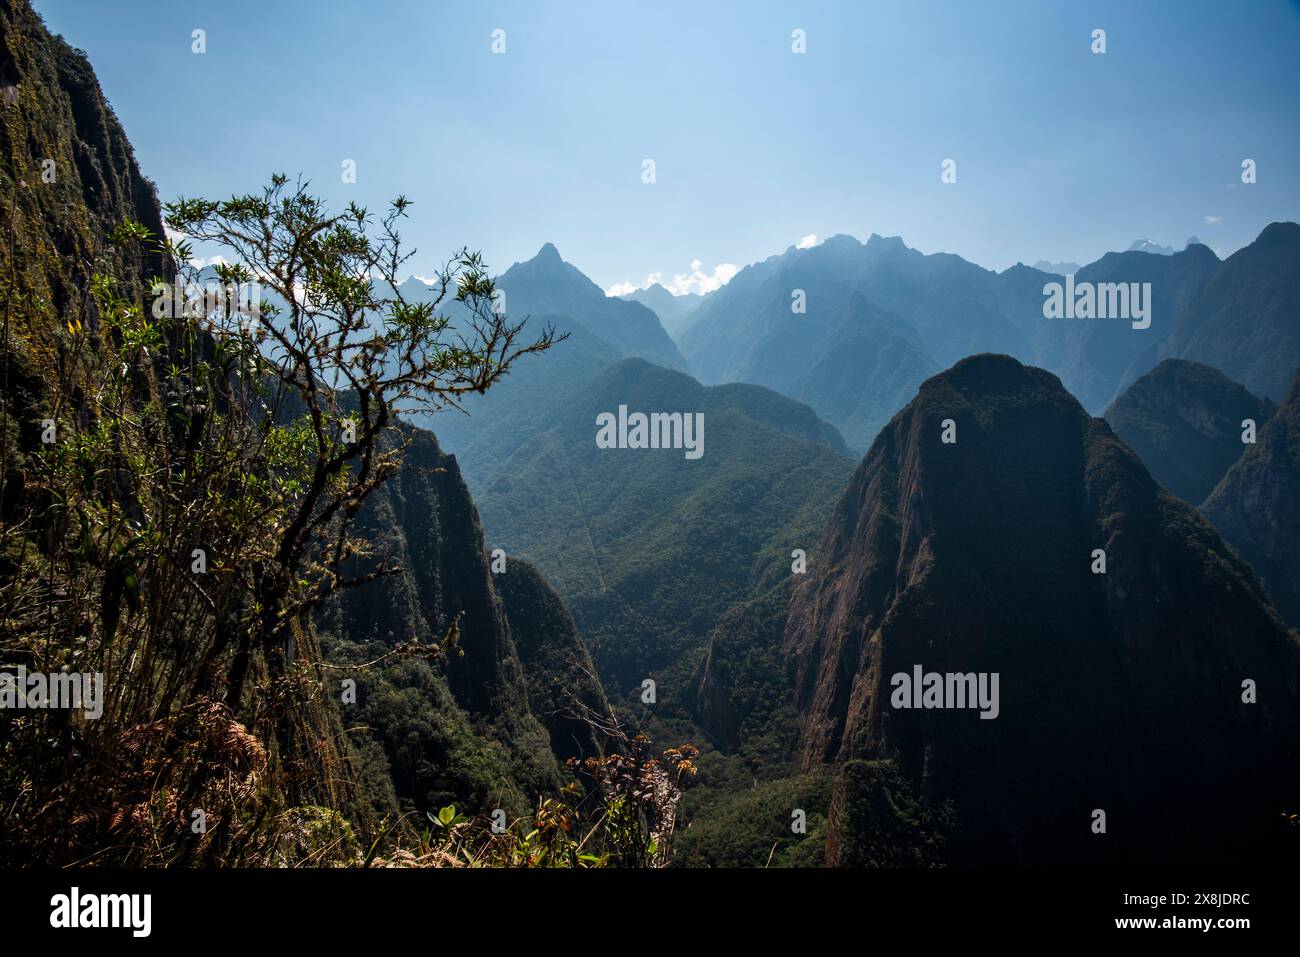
<point x="1243" y="319"/>
<point x="563" y="689"/>
<point x="1185" y="420"/>
<point x="1257" y="506"/>
<point x="68" y="176"/>
<point x="1120" y="691"/>
<point x="476" y="724"/>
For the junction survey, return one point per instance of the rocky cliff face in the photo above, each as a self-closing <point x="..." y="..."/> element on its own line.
<point x="1119" y="691"/>
<point x="492" y="702"/>
<point x="69" y="173"/>
<point x="1184" y="420"/>
<point x="563" y="689"/>
<point x="68" y="176"/>
<point x="1257" y="506"/>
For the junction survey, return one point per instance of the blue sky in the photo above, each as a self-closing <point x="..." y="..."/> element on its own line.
<point x="1061" y="154"/>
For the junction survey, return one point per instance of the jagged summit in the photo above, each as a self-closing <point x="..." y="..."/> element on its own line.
<point x="547" y="285"/>
<point x="878" y="243"/>
<point x="1150" y="246"/>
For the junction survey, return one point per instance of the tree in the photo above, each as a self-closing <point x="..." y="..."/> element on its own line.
<point x="197" y="508"/>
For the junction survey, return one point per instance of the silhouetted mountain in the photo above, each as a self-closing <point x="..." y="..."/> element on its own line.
<point x="951" y="304"/>
<point x="1120" y="692"/>
<point x="1184" y="420"/>
<point x="1244" y="320"/>
<point x="600" y="330"/>
<point x="1257" y="506"/>
<point x="674" y="312"/>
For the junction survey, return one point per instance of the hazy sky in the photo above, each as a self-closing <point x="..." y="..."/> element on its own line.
<point x="1061" y="153"/>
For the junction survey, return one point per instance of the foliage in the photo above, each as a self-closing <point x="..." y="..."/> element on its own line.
<point x="196" y="509"/>
<point x="620" y="810"/>
<point x="751" y="827"/>
<point x="879" y="820"/>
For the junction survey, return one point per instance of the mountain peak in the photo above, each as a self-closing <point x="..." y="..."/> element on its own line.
<point x="992" y="375"/>
<point x="1150" y="246"/>
<point x="1183" y="420"/>
<point x="1279" y="233"/>
<point x="839" y="239"/>
<point x="877" y="242"/>
<point x="548" y="254"/>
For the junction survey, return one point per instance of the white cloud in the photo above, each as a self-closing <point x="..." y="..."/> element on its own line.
<point x="1214" y="220"/>
<point x="808" y="242"/>
<point x="698" y="281"/>
<point x="695" y="281"/>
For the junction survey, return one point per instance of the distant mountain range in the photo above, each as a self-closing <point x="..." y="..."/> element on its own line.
<point x="1149" y="246"/>
<point x="673" y="311"/>
<point x="921" y="312"/>
<point x="1061" y="269"/>
<point x="547" y="285"/>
